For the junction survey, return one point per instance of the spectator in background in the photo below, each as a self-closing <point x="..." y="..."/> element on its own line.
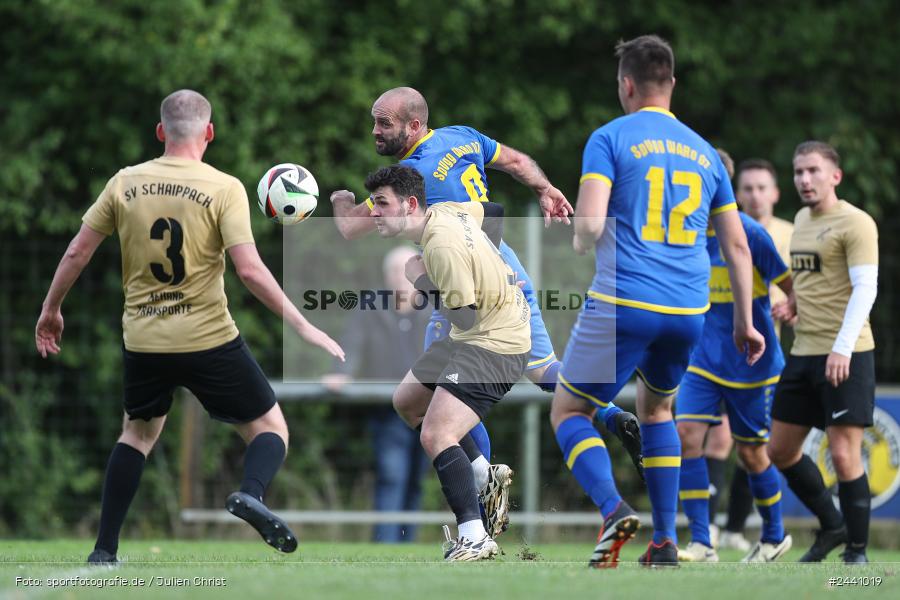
<point x="384" y="344"/>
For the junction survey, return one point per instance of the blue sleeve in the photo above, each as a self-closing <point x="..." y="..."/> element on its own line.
<point x="490" y="148"/>
<point x="598" y="161"/>
<point x="765" y="255"/>
<point x="723" y="198"/>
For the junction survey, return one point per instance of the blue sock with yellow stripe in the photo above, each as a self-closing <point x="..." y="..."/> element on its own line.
<point x="586" y="456"/>
<point x="662" y="462"/>
<point x="766" y="491"/>
<point x="694" y="495"/>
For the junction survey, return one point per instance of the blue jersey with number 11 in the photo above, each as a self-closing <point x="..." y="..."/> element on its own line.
<point x="666" y="182"/>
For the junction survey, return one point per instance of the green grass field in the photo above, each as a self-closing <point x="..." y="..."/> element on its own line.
<point x="366" y="571"/>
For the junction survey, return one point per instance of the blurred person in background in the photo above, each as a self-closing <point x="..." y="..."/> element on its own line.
<point x="384" y="344"/>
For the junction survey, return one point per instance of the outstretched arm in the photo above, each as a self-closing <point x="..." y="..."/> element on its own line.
<point x="525" y="170"/>
<point x="352" y="220"/>
<point x="48" y="331"/>
<point x="259" y="280"/>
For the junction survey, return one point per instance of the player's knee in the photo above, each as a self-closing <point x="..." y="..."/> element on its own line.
<point x="847" y="463"/>
<point x="782" y="456"/>
<point x="753" y="457"/>
<point x="434" y="441"/>
<point x="563" y="408"/>
<point x="691" y="434"/>
<point x="141" y="439"/>
<point x="403" y="405"/>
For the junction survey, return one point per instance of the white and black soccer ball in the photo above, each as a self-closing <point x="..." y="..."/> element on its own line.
<point x="288" y="194"/>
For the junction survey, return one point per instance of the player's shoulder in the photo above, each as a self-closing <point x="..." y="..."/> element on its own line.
<point x="610" y="128"/>
<point x="454" y="208"/>
<point x="458" y="133"/>
<point x="855" y="213"/>
<point x="778" y="225"/>
<point x="802" y="217"/>
<point x="750" y="224"/>
<point x="857" y="222"/>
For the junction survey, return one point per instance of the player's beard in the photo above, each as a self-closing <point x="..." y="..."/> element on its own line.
<point x="392" y="146"/>
<point x="391" y="227"/>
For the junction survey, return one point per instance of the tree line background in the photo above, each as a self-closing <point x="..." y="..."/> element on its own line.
<point x="80" y="86"/>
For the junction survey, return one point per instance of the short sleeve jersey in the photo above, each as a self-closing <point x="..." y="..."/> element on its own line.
<point x="823" y="249"/>
<point x="452" y="161"/>
<point x="467" y="269"/>
<point x="666" y="182"/>
<point x="175" y="218"/>
<point x="715" y="356"/>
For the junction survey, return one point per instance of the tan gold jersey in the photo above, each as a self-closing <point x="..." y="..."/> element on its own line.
<point x="468" y="269"/>
<point x="823" y="248"/>
<point x="781" y="232"/>
<point x="175" y="218"/>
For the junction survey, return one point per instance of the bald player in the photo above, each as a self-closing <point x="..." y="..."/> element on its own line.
<point x="176" y="217"/>
<point x="453" y="162"/>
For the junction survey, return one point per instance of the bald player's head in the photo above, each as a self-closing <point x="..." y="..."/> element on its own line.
<point x="184" y="116"/>
<point x="401" y="117"/>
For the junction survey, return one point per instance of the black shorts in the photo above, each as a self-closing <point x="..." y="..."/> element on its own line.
<point x="804" y="397"/>
<point x="226" y="379"/>
<point x="479" y="378"/>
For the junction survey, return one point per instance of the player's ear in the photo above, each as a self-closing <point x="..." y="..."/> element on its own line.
<point x="413" y="203"/>
<point x="210" y="132"/>
<point x="160" y="132"/>
<point x="837" y="177"/>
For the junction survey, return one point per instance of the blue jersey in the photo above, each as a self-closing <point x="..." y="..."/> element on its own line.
<point x="666" y="182"/>
<point x="715" y="356"/>
<point x="452" y="162"/>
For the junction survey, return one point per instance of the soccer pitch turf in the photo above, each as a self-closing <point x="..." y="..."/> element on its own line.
<point x="347" y="570"/>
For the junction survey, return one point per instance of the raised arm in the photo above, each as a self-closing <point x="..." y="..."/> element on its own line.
<point x="48" y="332"/>
<point x="256" y="276"/>
<point x="525" y="170"/>
<point x="733" y="242"/>
<point x="352" y="219"/>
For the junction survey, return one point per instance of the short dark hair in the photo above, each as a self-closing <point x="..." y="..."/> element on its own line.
<point x="815" y="146"/>
<point x="648" y="60"/>
<point x="405" y="181"/>
<point x="756" y="164"/>
<point x="727" y="161"/>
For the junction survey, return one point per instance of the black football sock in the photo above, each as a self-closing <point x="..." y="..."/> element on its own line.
<point x="806" y="482"/>
<point x="856" y="503"/>
<point x="740" y="501"/>
<point x="458" y="483"/>
<point x="467" y="443"/>
<point x="261" y="461"/>
<point x="123" y="474"/>
<point x="716" y="469"/>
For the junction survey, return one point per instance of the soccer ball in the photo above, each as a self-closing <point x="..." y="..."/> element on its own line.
<point x="288" y="194"/>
